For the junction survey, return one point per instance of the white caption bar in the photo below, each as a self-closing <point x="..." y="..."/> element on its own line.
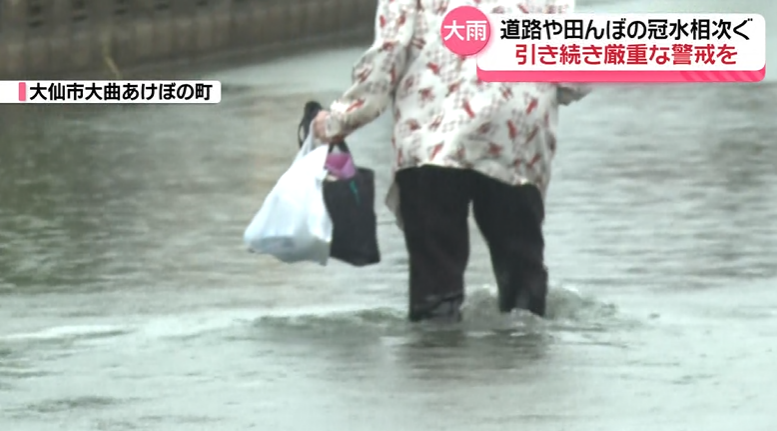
<point x="621" y="42"/>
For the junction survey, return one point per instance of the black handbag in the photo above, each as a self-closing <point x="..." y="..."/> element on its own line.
<point x="351" y="206"/>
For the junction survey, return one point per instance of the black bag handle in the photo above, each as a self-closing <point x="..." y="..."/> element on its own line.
<point x="312" y="108"/>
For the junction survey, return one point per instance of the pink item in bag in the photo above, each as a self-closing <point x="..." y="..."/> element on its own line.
<point x="340" y="165"/>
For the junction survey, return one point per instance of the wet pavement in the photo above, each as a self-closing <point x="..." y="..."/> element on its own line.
<point x="128" y="301"/>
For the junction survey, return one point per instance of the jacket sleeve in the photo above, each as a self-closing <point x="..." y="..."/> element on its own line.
<point x="377" y="73"/>
<point x="567" y="93"/>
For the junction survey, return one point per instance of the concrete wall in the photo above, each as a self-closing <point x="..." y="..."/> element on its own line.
<point x="48" y="38"/>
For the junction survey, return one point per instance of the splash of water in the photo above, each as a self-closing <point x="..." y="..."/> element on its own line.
<point x="567" y="309"/>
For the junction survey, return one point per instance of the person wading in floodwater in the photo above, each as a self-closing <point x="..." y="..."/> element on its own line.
<point x="457" y="141"/>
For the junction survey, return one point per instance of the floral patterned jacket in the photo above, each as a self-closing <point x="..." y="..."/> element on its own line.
<point x="444" y="115"/>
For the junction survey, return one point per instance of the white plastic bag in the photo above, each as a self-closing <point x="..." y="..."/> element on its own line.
<point x="293" y="224"/>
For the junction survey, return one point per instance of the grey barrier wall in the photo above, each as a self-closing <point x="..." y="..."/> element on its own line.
<point x="49" y="38"/>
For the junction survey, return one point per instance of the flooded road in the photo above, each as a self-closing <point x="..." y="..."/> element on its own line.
<point x="128" y="301"/>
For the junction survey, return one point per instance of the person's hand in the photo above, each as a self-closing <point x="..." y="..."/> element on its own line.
<point x="319" y="126"/>
<point x="319" y="129"/>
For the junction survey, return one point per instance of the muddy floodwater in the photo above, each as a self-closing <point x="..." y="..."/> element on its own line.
<point x="128" y="301"/>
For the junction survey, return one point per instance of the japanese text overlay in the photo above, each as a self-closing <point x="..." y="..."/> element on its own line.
<point x="616" y="47"/>
<point x="121" y="92"/>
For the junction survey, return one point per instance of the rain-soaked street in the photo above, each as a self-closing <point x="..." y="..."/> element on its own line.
<point x="128" y="301"/>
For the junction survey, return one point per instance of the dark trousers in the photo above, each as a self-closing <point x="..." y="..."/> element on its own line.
<point x="434" y="205"/>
